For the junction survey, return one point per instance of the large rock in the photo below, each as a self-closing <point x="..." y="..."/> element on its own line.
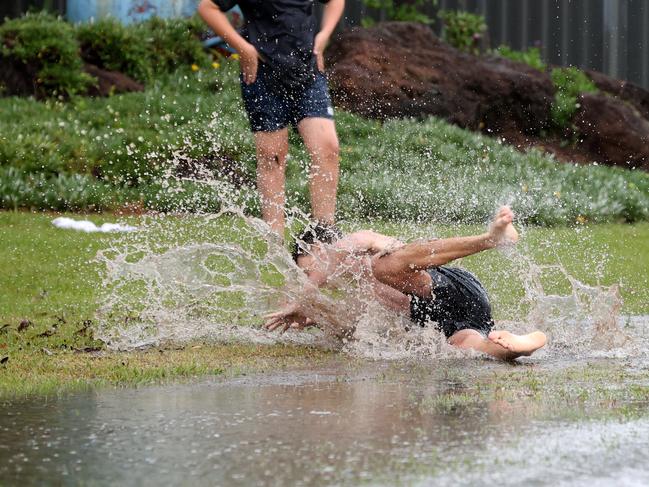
<point x="624" y="90"/>
<point x="110" y="82"/>
<point x="399" y="69"/>
<point x="19" y="79"/>
<point x="613" y="132"/>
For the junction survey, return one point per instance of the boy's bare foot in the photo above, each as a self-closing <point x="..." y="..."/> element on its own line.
<point x="519" y="344"/>
<point x="501" y="230"/>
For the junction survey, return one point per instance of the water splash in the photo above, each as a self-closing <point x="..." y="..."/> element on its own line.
<point x="213" y="277"/>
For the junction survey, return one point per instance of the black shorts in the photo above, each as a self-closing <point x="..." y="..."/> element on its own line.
<point x="271" y="109"/>
<point x="459" y="302"/>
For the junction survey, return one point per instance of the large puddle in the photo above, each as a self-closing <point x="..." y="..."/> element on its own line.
<point x="452" y="422"/>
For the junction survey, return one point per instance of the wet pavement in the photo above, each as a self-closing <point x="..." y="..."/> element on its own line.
<point x="454" y="422"/>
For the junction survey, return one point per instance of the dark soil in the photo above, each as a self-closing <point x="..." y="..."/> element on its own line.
<point x="399" y="69"/>
<point x="110" y="82"/>
<point x="19" y="79"/>
<point x="214" y="165"/>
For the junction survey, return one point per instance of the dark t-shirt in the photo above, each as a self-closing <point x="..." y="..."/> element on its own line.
<point x="282" y="31"/>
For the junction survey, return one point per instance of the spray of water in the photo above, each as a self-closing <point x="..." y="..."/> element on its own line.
<point x="183" y="278"/>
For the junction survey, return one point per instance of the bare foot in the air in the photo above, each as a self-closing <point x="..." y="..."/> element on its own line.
<point x="501" y="230"/>
<point x="519" y="344"/>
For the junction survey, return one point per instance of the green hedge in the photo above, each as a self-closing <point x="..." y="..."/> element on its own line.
<point x="109" y="44"/>
<point x="48" y="53"/>
<point x="42" y="49"/>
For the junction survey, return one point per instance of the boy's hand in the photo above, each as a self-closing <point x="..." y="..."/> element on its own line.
<point x="319" y="45"/>
<point x="288" y="317"/>
<point x="249" y="59"/>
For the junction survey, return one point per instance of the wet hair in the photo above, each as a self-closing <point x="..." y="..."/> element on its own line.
<point x="314" y="233"/>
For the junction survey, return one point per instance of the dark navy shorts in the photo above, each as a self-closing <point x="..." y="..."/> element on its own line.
<point x="272" y="109"/>
<point x="459" y="302"/>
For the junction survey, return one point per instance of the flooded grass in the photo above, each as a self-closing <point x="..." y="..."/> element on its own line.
<point x="583" y="389"/>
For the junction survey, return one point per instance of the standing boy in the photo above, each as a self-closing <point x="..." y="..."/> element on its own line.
<point x="282" y="84"/>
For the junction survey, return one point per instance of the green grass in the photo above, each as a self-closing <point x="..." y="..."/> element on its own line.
<point x="128" y="148"/>
<point x="51" y="283"/>
<point x="28" y="373"/>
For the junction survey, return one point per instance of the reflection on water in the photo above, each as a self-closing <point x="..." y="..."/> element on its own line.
<point x="385" y="423"/>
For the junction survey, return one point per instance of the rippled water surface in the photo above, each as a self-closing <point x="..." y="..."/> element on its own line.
<point x="453" y="422"/>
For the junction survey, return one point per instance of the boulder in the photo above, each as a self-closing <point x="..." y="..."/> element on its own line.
<point x="612" y="132"/>
<point x="19" y="79"/>
<point x="110" y="82"/>
<point x="624" y="90"/>
<point x="401" y="69"/>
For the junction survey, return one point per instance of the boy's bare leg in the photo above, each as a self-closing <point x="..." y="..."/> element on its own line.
<point x="319" y="135"/>
<point x="272" y="148"/>
<point x="402" y="269"/>
<point x="500" y="344"/>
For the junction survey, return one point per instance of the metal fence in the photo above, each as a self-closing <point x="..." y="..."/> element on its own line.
<point x="14" y="8"/>
<point x="611" y="36"/>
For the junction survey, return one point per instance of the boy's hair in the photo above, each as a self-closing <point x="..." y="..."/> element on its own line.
<point x="314" y="233"/>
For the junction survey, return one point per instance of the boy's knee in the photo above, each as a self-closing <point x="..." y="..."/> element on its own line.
<point x="331" y="148"/>
<point x="271" y="158"/>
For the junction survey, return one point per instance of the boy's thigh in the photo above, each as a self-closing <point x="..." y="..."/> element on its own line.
<point x="319" y="134"/>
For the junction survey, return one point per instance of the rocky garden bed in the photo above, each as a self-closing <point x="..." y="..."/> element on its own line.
<point x="402" y="69"/>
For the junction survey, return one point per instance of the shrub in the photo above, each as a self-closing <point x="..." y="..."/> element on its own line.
<point x="63" y="192"/>
<point x="41" y="56"/>
<point x="570" y="83"/>
<point x="109" y="44"/>
<point x="173" y="42"/>
<point x="401" y="11"/>
<point x="531" y="57"/>
<point x="463" y="30"/>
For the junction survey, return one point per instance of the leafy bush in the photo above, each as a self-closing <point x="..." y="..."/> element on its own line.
<point x="531" y="57"/>
<point x="463" y="30"/>
<point x="42" y="52"/>
<point x="63" y="192"/>
<point x="400" y="11"/>
<point x="109" y="44"/>
<point x="156" y="46"/>
<point x="570" y="83"/>
<point x="173" y="42"/>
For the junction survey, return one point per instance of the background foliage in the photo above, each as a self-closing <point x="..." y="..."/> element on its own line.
<point x="136" y="148"/>
<point x="51" y="52"/>
<point x="46" y="50"/>
<point x="463" y="30"/>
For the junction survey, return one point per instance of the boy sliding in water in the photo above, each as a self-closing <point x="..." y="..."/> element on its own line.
<point x="412" y="279"/>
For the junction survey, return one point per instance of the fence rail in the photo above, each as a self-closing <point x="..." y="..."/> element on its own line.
<point x="611" y="36"/>
<point x="14" y="8"/>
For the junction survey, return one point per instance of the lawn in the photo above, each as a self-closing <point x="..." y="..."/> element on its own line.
<point x="51" y="284"/>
